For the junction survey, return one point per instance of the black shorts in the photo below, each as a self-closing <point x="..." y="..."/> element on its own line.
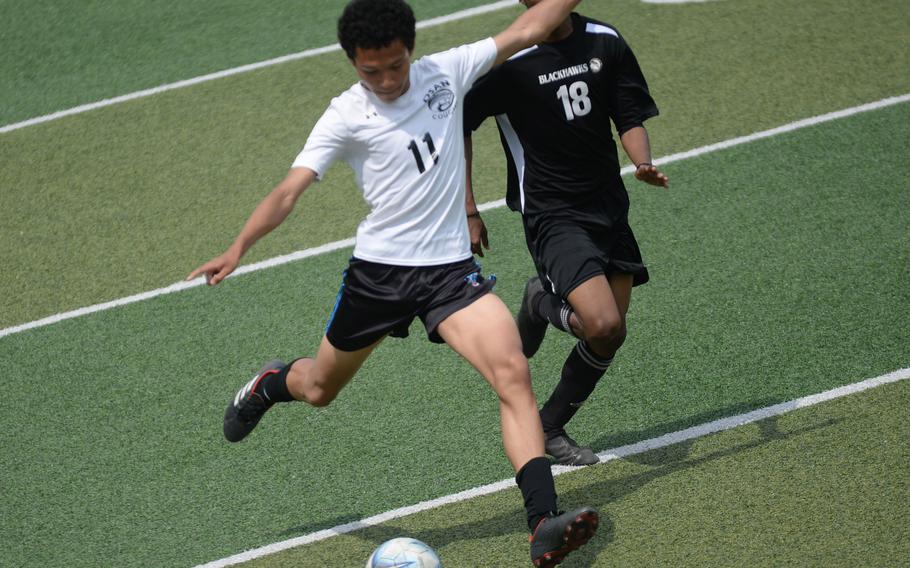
<point x="567" y="254"/>
<point x="376" y="300"/>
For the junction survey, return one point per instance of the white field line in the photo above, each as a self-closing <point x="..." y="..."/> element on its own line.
<point x="268" y="263"/>
<point x="699" y="431"/>
<point x="242" y="69"/>
<point x="284" y="259"/>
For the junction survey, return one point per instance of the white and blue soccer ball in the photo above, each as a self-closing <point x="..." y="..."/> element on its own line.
<point x="403" y="552"/>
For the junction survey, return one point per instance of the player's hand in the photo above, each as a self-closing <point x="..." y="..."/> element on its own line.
<point x="478" y="232"/>
<point x="649" y="173"/>
<point x="216" y="269"/>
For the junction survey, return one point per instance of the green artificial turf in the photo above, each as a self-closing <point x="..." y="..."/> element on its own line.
<point x="779" y="269"/>
<point x="822" y="486"/>
<point x="112" y="441"/>
<point x="59" y="55"/>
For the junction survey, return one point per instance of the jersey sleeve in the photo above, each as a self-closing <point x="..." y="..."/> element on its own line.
<point x="483" y="100"/>
<point x="468" y="62"/>
<point x="631" y="102"/>
<point x="326" y="143"/>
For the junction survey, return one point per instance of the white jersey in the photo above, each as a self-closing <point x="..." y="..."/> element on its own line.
<point x="407" y="157"/>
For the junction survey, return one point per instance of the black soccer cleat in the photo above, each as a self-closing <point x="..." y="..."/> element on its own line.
<point x="566" y="451"/>
<point x="558" y="535"/>
<point x="248" y="405"/>
<point x="531" y="327"/>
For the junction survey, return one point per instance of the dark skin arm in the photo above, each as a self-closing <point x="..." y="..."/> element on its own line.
<point x="638" y="147"/>
<point x="476" y="227"/>
<point x="634" y="141"/>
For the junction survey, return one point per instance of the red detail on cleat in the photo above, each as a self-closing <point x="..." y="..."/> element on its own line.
<point x="576" y="534"/>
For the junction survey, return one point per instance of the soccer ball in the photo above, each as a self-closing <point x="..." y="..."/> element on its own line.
<point x="403" y="552"/>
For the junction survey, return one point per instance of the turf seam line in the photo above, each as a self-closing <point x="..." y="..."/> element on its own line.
<point x="337" y="245"/>
<point x="694" y="432"/>
<point x="455" y="16"/>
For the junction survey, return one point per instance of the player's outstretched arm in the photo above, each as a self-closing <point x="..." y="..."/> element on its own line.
<point x="270" y="213"/>
<point x="638" y="147"/>
<point x="476" y="227"/>
<point x="532" y="27"/>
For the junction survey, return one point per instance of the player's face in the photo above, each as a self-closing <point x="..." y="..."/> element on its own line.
<point x="384" y="71"/>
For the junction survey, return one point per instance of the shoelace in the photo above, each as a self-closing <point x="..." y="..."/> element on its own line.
<point x="252" y="407"/>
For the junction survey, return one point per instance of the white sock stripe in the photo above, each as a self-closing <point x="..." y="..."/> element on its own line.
<point x="564" y="313"/>
<point x="586" y="355"/>
<point x="591" y="358"/>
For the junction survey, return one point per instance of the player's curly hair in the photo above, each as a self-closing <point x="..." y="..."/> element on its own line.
<point x="373" y="24"/>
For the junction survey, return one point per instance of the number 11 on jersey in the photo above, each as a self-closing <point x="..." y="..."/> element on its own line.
<point x="415" y="149"/>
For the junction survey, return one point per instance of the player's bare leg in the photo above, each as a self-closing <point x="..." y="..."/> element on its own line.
<point x="316" y="381"/>
<point x="599" y="307"/>
<point x="598" y="318"/>
<point x="484" y="333"/>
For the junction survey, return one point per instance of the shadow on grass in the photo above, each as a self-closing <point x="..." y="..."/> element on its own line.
<point x="662" y="461"/>
<point x="618" y="439"/>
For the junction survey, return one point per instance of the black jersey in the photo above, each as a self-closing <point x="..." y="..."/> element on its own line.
<point x="553" y="104"/>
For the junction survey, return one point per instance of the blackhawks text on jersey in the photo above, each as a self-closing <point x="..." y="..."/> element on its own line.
<point x="553" y="103"/>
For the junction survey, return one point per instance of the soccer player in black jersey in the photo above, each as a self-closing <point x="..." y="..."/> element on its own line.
<point x="553" y="104"/>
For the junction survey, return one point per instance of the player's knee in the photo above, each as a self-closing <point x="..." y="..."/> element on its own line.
<point x="606" y="333"/>
<point x="511" y="376"/>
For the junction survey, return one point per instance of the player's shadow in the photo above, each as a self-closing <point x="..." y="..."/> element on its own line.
<point x="618" y="439"/>
<point x="663" y="461"/>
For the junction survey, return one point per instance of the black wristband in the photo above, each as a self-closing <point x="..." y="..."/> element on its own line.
<point x="643" y="164"/>
<point x="474" y="214"/>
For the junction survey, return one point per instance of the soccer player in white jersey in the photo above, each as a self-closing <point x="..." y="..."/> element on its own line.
<point x="553" y="105"/>
<point x="400" y="129"/>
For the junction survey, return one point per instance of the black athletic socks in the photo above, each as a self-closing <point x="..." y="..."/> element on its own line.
<point x="552" y="308"/>
<point x="274" y="386"/>
<point x="580" y="373"/>
<point x="536" y="483"/>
